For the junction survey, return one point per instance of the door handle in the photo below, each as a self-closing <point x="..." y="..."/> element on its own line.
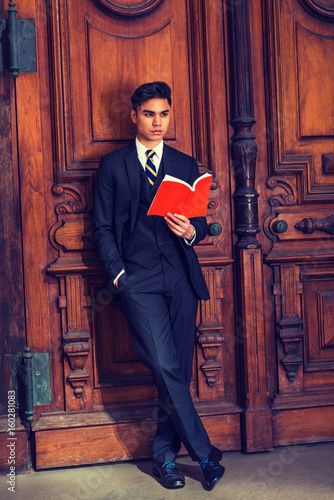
<point x="280" y="226"/>
<point x="215" y="229"/>
<point x="309" y="225"/>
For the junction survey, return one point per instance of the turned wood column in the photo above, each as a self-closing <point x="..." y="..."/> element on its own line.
<point x="256" y="423"/>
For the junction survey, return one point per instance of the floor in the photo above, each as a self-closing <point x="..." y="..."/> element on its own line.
<point x="289" y="473"/>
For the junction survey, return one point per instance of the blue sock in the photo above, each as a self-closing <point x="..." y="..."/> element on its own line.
<point x="203" y="462"/>
<point x="169" y="465"/>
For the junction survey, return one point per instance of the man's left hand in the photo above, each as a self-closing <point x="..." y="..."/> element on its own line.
<point x="180" y="225"/>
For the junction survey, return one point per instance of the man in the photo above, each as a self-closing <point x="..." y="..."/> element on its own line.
<point x="153" y="265"/>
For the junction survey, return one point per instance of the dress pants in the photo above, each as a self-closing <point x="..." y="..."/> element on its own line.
<point x="161" y="305"/>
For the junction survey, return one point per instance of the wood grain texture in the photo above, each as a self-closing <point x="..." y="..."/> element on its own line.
<point x="98" y="115"/>
<point x="249" y="264"/>
<point x="149" y="49"/>
<point x="77" y="439"/>
<point x="11" y="289"/>
<point x="315" y="96"/>
<point x="254" y="390"/>
<point x="32" y="183"/>
<point x="74" y="110"/>
<point x="305" y="425"/>
<point x="299" y="189"/>
<point x="22" y="452"/>
<point x="319" y="313"/>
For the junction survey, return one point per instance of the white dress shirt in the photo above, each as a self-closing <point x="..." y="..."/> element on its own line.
<point x="141" y="151"/>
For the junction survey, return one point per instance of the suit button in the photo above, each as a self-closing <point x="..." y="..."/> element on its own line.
<point x="154" y="256"/>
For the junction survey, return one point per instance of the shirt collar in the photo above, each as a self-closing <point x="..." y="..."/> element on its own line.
<point x="141" y="149"/>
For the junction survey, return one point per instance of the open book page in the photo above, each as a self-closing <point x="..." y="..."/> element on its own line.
<point x="177" y="197"/>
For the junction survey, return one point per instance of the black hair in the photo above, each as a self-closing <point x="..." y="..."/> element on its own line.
<point x="153" y="90"/>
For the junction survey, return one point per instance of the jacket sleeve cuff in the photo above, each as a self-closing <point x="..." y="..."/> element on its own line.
<point x="115" y="268"/>
<point x="118" y="276"/>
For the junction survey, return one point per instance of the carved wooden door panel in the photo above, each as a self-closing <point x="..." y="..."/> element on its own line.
<point x="299" y="222"/>
<point x="103" y="400"/>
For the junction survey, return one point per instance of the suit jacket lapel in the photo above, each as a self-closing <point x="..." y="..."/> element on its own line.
<point x="133" y="172"/>
<point x="169" y="163"/>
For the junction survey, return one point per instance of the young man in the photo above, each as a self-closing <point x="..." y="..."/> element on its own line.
<point x="153" y="265"/>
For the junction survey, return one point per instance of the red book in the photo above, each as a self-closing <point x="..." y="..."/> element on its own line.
<point x="178" y="197"/>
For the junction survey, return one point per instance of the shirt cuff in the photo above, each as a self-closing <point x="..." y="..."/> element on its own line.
<point x="118" y="276"/>
<point x="191" y="240"/>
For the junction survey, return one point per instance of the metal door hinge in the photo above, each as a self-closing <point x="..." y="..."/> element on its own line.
<point x="31" y="380"/>
<point x="17" y="43"/>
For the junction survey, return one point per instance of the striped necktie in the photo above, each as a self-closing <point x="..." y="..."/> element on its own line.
<point x="150" y="169"/>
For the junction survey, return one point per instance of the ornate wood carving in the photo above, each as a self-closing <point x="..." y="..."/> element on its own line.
<point x="284" y="195"/>
<point x="71" y="236"/>
<point x="77" y="353"/>
<point x="290" y="332"/>
<point x="210" y="340"/>
<point x="75" y="338"/>
<point x="71" y="207"/>
<point x="128" y="9"/>
<point x="210" y="330"/>
<point x="288" y="317"/>
<point x="309" y="225"/>
<point x="244" y="147"/>
<point x="289" y="192"/>
<point x="323" y="9"/>
<point x="285" y="224"/>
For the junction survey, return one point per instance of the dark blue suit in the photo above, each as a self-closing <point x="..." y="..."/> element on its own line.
<point x="160" y="288"/>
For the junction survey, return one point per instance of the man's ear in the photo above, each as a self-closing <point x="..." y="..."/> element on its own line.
<point x="133" y="115"/>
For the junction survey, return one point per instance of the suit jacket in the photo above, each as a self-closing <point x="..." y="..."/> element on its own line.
<point x="116" y="201"/>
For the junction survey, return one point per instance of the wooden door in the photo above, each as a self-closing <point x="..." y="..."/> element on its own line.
<point x="91" y="55"/>
<point x="298" y="216"/>
<point x="263" y="362"/>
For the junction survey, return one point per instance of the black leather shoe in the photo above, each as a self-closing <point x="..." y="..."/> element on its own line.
<point x="169" y="475"/>
<point x="212" y="470"/>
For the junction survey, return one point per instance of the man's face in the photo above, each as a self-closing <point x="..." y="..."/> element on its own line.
<point x="152" y="120"/>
